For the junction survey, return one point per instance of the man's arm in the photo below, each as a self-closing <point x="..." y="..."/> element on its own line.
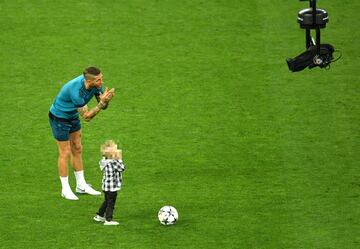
<point x="98" y="100"/>
<point x="103" y="102"/>
<point x="90" y="114"/>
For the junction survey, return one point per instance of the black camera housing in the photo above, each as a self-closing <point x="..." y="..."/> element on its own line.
<point x="311" y="59"/>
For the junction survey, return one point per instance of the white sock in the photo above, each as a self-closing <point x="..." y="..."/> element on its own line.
<point x="65" y="183"/>
<point x="80" y="179"/>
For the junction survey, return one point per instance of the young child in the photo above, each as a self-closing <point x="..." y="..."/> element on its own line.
<point x="111" y="164"/>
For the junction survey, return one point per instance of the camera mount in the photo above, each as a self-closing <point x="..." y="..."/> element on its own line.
<point x="316" y="54"/>
<point x="312" y="18"/>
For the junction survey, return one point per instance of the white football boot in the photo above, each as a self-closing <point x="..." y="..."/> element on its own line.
<point x="87" y="189"/>
<point x="111" y="223"/>
<point x="99" y="218"/>
<point x="69" y="195"/>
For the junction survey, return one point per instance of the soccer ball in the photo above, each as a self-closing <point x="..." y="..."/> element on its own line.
<point x="168" y="215"/>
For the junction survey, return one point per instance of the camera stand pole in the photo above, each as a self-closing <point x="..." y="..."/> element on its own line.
<point x="313" y="6"/>
<point x="317" y="41"/>
<point x="309" y="41"/>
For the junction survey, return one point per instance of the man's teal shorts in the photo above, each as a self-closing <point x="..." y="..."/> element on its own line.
<point x="61" y="128"/>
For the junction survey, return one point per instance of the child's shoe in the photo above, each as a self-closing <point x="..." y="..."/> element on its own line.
<point x="111" y="223"/>
<point x="99" y="218"/>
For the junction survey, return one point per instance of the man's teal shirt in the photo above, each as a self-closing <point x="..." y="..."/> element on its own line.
<point x="73" y="95"/>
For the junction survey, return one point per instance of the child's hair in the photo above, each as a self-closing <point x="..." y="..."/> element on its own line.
<point x="104" y="148"/>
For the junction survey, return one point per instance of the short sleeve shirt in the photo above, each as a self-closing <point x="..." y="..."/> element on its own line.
<point x="73" y="95"/>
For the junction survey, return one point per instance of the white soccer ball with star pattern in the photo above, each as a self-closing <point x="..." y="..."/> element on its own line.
<point x="168" y="215"/>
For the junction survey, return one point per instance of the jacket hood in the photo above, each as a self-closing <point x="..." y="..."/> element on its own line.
<point x="103" y="162"/>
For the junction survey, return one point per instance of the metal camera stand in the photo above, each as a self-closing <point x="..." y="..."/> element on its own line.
<point x="316" y="54"/>
<point x="312" y="18"/>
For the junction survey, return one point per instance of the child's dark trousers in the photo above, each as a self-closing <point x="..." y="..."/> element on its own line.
<point x="107" y="207"/>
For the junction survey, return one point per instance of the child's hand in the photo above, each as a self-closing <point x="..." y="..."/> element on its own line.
<point x="118" y="155"/>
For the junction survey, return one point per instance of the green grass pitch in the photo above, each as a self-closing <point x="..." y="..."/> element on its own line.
<point x="209" y="118"/>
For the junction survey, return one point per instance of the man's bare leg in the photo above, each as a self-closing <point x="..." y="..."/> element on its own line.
<point x="77" y="164"/>
<point x="63" y="157"/>
<point x="76" y="151"/>
<point x="64" y="151"/>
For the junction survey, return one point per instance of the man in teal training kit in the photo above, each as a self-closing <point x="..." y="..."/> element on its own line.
<point x="66" y="128"/>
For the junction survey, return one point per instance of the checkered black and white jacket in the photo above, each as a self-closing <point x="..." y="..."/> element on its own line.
<point x="112" y="178"/>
